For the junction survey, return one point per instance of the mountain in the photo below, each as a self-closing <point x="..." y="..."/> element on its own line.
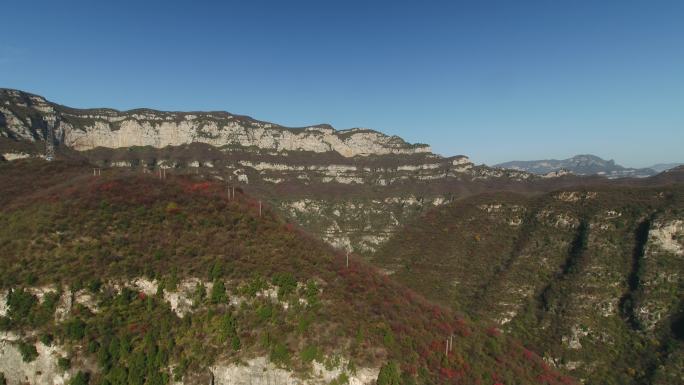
<point x="352" y="188"/>
<point x="579" y="165"/>
<point x="592" y="276"/>
<point x="27" y="116"/>
<point x="126" y="278"/>
<point x="660" y="167"/>
<point x="142" y="213"/>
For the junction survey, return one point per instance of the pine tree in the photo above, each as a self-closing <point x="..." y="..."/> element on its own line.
<point x="80" y="378"/>
<point x="218" y="292"/>
<point x="200" y="294"/>
<point x="389" y="374"/>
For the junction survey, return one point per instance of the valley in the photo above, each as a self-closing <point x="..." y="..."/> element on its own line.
<point x="231" y="236"/>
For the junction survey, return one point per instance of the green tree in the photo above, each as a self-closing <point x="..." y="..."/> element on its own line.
<point x="389" y="374"/>
<point x="216" y="271"/>
<point x="235" y="343"/>
<point x="156" y="378"/>
<point x="104" y="359"/>
<point x="94" y="286"/>
<point x="137" y="368"/>
<point x="75" y="329"/>
<point x="64" y="363"/>
<point x="280" y="354"/>
<point x="20" y="303"/>
<point x="200" y="294"/>
<point x="309" y="354"/>
<point x="114" y="349"/>
<point x="80" y="378"/>
<point x="46" y="339"/>
<point x="286" y="284"/>
<point x="28" y="351"/>
<point x="218" y="292"/>
<point x="3" y="380"/>
<point x="118" y="376"/>
<point x="311" y="293"/>
<point x="172" y="282"/>
<point x="227" y="326"/>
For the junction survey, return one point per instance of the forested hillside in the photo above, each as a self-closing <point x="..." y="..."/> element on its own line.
<point x="592" y="277"/>
<point x="124" y="278"/>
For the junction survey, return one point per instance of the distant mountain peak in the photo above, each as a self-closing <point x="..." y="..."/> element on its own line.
<point x="582" y="164"/>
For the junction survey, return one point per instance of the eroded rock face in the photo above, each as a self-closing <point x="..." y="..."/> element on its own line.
<point x="662" y="275"/>
<point x="26" y="117"/>
<point x="260" y="371"/>
<point x="41" y="371"/>
<point x="360" y="226"/>
<point x="669" y="236"/>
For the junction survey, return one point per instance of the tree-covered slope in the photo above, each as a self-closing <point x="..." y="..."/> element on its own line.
<point x="592" y="277"/>
<point x="128" y="279"/>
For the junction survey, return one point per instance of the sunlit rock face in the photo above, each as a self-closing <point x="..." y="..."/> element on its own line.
<point x="25" y="116"/>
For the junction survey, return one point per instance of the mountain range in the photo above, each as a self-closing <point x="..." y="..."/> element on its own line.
<point x="400" y="266"/>
<point x="584" y="165"/>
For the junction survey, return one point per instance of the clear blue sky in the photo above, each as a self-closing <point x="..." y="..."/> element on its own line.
<point x="495" y="80"/>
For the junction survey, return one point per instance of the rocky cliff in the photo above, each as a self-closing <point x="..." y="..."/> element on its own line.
<point x="26" y="116"/>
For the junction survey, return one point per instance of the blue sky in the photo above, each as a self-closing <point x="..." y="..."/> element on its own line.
<point x="495" y="80"/>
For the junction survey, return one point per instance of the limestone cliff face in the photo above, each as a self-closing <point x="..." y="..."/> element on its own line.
<point x="26" y="117"/>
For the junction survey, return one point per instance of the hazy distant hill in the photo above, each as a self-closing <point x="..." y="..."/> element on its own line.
<point x="660" y="167"/>
<point x="580" y="165"/>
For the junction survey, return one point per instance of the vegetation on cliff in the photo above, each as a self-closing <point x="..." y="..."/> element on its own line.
<point x="590" y="277"/>
<point x="64" y="231"/>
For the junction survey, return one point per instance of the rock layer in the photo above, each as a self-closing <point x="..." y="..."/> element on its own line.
<point x="27" y="117"/>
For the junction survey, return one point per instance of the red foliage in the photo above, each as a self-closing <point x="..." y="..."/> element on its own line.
<point x="445" y="328"/>
<point x="109" y="186"/>
<point x="448" y="372"/>
<point x="461" y="327"/>
<point x="452" y="373"/>
<point x="545" y="378"/>
<point x="437" y="346"/>
<point x="493" y="331"/>
<point x="529" y="355"/>
<point x="142" y="296"/>
<point x="410" y="369"/>
<point x="137" y="328"/>
<point x="199" y="187"/>
<point x="436" y="311"/>
<point x="544" y="366"/>
<point x="424" y="354"/>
